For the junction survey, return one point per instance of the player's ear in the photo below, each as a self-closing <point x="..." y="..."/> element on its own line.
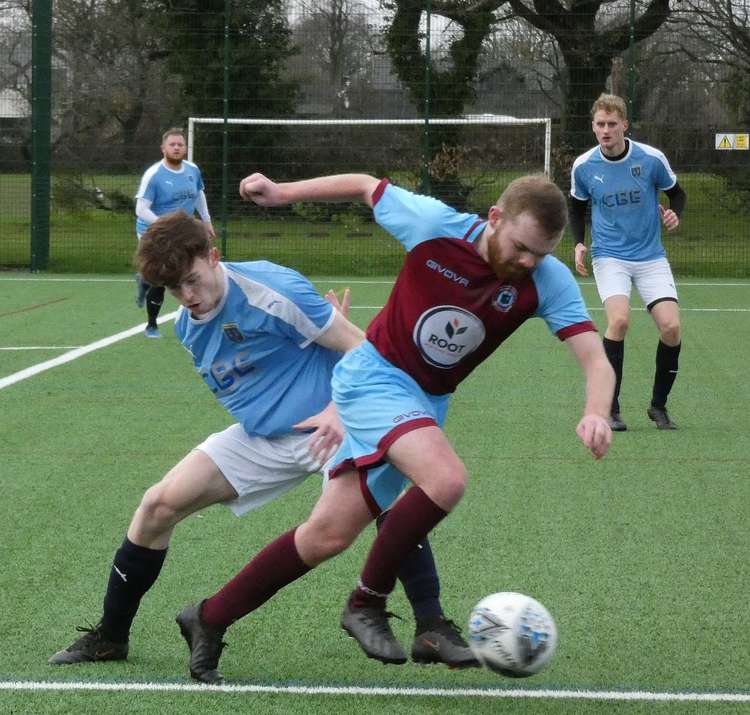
<point x="213" y="257"/>
<point x="495" y="214"/>
<point x="625" y="124"/>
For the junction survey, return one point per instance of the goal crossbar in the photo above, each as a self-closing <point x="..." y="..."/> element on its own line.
<point x="480" y="119"/>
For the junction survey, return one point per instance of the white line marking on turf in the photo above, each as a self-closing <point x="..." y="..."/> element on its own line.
<point x="76" y="353"/>
<point x="42" y="347"/>
<point x="540" y="694"/>
<point x="66" y="280"/>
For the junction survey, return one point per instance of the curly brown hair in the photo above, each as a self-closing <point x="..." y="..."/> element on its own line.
<point x="541" y="198"/>
<point x="169" y="247"/>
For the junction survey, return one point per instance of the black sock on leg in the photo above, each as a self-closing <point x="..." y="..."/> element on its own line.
<point x="418" y="575"/>
<point x="667" y="364"/>
<point x="615" y="350"/>
<point x="154" y="302"/>
<point x="134" y="570"/>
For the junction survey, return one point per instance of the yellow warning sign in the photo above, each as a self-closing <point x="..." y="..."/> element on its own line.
<point x="741" y="141"/>
<point x="725" y="141"/>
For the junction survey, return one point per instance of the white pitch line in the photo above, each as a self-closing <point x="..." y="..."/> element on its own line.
<point x="39" y="279"/>
<point x="76" y="353"/>
<point x="42" y="347"/>
<point x="517" y="693"/>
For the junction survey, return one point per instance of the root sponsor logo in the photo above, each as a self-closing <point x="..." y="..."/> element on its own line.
<point x="446" y="334"/>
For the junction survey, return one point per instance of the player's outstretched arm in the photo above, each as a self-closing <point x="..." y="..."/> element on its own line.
<point x="593" y="428"/>
<point x="340" y="187"/>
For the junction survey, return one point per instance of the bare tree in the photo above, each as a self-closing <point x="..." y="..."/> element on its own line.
<point x="336" y="42"/>
<point x="716" y="34"/>
<point x="589" y="42"/>
<point x="104" y="69"/>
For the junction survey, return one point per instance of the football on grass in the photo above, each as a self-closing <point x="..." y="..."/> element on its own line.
<point x="512" y="634"/>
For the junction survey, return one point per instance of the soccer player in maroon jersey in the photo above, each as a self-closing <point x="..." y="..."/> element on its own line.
<point x="465" y="286"/>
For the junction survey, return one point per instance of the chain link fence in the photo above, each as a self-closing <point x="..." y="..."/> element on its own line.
<point x="122" y="72"/>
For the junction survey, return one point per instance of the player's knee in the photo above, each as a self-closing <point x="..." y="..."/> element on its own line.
<point x="455" y="487"/>
<point x="447" y="490"/>
<point x="319" y="541"/>
<point x="617" y="326"/>
<point x="334" y="539"/>
<point x="155" y="510"/>
<point x="670" y="332"/>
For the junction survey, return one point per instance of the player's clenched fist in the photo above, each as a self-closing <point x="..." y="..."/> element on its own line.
<point x="261" y="190"/>
<point x="595" y="433"/>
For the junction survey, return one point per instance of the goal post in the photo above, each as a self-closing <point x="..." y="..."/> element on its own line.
<point x="485" y="120"/>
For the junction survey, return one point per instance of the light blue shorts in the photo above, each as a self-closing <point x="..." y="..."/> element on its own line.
<point x="378" y="403"/>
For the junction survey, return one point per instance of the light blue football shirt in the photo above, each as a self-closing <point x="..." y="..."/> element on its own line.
<point x="169" y="190"/>
<point x="625" y="219"/>
<point x="256" y="349"/>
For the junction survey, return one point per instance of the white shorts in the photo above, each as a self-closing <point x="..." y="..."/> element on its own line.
<point x="259" y="468"/>
<point x="652" y="279"/>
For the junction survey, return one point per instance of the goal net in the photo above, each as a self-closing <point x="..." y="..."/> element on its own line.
<point x="511" y="142"/>
<point x="465" y="161"/>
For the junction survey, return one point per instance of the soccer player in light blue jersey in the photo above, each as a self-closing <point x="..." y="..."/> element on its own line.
<point x="169" y="185"/>
<point x="623" y="179"/>
<point x="265" y="343"/>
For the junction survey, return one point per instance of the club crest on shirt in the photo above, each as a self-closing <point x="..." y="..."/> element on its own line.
<point x="233" y="333"/>
<point x="635" y="170"/>
<point x="505" y="298"/>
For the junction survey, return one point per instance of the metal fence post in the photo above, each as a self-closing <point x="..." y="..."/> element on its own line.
<point x="425" y="188"/>
<point x="41" y="119"/>
<point x="225" y="132"/>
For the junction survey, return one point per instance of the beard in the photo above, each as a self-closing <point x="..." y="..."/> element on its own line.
<point x="503" y="269"/>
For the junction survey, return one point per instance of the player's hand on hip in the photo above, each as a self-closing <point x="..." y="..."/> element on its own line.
<point x="595" y="433"/>
<point x="327" y="432"/>
<point x="580" y="259"/>
<point x="260" y="190"/>
<point x="669" y="218"/>
<point x="342" y="304"/>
